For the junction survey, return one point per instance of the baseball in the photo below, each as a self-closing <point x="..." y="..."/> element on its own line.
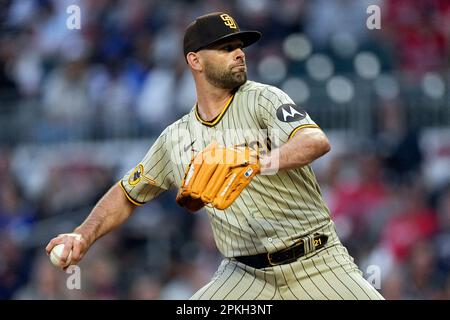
<point x="55" y="255"/>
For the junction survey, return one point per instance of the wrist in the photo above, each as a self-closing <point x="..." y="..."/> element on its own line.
<point x="269" y="164"/>
<point x="84" y="234"/>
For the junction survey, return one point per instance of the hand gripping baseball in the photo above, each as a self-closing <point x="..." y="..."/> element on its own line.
<point x="75" y="247"/>
<point x="216" y="176"/>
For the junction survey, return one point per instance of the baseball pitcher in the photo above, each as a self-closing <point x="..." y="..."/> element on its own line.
<point x="243" y="154"/>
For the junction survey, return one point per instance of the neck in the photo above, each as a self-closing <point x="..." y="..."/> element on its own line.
<point x="211" y="100"/>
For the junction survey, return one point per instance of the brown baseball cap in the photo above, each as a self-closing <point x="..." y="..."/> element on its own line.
<point x="212" y="28"/>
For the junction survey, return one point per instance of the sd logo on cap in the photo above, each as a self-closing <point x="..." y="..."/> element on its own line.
<point x="211" y="28"/>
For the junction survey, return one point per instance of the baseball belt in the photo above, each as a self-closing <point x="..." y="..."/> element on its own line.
<point x="288" y="255"/>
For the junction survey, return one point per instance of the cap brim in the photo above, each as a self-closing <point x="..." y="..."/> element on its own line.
<point x="247" y="37"/>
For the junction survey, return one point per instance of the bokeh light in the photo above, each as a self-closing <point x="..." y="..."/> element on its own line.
<point x="319" y="67"/>
<point x="340" y="89"/>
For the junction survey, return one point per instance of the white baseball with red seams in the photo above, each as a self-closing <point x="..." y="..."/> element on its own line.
<point x="55" y="256"/>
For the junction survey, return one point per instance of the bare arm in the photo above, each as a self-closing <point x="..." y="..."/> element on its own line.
<point x="110" y="212"/>
<point x="304" y="147"/>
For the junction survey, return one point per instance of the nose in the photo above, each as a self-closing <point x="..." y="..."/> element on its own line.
<point x="239" y="54"/>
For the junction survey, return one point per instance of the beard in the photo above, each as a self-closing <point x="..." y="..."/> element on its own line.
<point x="223" y="78"/>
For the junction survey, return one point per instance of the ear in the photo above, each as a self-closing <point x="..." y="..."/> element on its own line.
<point x="193" y="60"/>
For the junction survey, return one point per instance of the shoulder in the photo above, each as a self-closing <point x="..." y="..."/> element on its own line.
<point x="251" y="86"/>
<point x="266" y="91"/>
<point x="180" y="124"/>
<point x="183" y="122"/>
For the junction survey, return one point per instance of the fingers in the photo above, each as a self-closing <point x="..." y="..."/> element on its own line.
<point x="78" y="250"/>
<point x="68" y="243"/>
<point x="55" y="241"/>
<point x="74" y="247"/>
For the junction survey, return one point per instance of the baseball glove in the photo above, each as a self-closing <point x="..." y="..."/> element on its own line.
<point x="216" y="176"/>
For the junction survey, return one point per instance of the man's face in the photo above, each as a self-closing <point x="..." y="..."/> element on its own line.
<point x="224" y="64"/>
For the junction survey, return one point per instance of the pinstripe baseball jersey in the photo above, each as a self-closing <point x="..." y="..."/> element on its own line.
<point x="274" y="210"/>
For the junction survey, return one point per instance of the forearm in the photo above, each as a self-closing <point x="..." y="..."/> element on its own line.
<point x="303" y="148"/>
<point x="110" y="212"/>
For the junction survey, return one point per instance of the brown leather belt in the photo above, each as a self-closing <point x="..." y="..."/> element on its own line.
<point x="288" y="255"/>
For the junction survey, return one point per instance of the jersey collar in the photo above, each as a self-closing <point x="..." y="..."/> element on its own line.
<point x="216" y="120"/>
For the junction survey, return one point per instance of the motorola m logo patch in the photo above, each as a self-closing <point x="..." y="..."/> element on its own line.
<point x="290" y="113"/>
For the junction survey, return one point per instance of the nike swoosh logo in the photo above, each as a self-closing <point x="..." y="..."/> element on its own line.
<point x="188" y="146"/>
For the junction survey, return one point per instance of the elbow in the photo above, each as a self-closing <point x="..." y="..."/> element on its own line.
<point x="325" y="146"/>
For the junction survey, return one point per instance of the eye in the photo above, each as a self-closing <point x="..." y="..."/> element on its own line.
<point x="231" y="47"/>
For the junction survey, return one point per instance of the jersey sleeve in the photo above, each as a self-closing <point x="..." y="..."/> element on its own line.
<point x="280" y="115"/>
<point x="151" y="177"/>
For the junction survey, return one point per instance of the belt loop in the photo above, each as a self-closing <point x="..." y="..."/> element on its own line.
<point x="306" y="245"/>
<point x="309" y="243"/>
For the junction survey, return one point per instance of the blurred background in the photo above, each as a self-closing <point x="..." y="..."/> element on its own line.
<point x="79" y="108"/>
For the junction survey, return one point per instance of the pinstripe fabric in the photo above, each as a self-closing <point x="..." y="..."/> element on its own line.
<point x="271" y="213"/>
<point x="326" y="274"/>
<point x="236" y="281"/>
